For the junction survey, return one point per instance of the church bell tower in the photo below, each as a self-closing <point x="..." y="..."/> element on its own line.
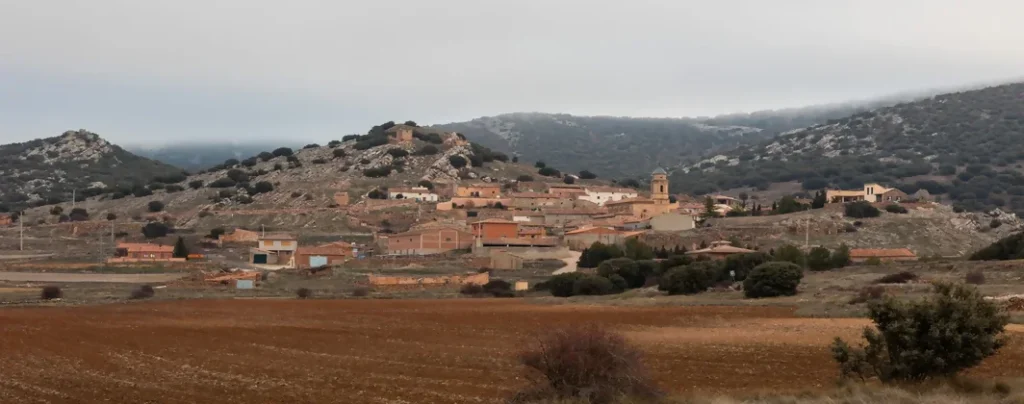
<point x="659" y="187"/>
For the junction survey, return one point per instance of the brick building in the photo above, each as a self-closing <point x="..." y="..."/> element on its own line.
<point x="429" y="241"/>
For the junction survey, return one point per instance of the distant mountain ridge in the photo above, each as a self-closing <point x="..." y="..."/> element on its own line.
<point x="47" y="170"/>
<point x="632" y="147"/>
<point x="967" y="145"/>
<point x="200" y="156"/>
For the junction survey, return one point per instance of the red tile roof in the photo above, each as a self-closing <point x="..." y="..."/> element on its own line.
<point x="494" y="221"/>
<point x="145" y="247"/>
<point x="629" y="200"/>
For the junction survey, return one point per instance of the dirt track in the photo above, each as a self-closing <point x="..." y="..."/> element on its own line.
<point x="90" y="278"/>
<point x="391" y="351"/>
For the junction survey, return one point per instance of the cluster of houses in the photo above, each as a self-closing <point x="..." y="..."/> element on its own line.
<point x="497" y="222"/>
<point x="538" y="215"/>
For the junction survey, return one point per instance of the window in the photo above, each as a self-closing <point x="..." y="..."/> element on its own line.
<point x="662" y="189"/>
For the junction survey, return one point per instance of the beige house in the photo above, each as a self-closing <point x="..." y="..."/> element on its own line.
<point x="275" y="248"/>
<point x="872" y="192"/>
<point x="672" y="222"/>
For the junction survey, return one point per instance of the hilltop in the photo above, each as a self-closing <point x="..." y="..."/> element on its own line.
<point x="44" y="171"/>
<point x="318" y="188"/>
<point x="964" y="146"/>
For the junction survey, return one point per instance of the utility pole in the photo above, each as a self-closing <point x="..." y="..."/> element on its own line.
<point x="111" y="233"/>
<point x="72" y="199"/>
<point x="807" y="233"/>
<point x="21" y="231"/>
<point x="263" y="230"/>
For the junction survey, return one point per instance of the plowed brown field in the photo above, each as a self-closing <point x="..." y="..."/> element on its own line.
<point x="391" y="351"/>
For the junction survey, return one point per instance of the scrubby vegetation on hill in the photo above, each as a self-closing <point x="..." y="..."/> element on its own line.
<point x="45" y="171"/>
<point x="966" y="143"/>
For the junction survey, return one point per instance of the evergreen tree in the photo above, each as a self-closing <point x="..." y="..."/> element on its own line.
<point x="180" y="251"/>
<point x="819" y="200"/>
<point x="584" y="261"/>
<point x="709" y="207"/>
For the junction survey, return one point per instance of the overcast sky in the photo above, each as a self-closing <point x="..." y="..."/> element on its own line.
<point x="196" y="70"/>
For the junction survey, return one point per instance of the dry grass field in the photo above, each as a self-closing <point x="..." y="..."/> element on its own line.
<point x="395" y="351"/>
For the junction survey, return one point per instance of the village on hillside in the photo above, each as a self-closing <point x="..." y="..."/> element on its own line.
<point x="457" y="226"/>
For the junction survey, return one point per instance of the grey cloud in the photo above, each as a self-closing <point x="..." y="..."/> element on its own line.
<point x="192" y="70"/>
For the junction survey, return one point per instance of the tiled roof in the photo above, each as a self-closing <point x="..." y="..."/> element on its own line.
<point x="881" y="253"/>
<point x="534" y="195"/>
<point x="612" y="189"/>
<point x="428" y="230"/>
<point x="584" y="212"/>
<point x="520" y="241"/>
<point x="629" y="200"/>
<point x="721" y="249"/>
<point x="494" y="221"/>
<point x="145" y="247"/>
<point x="278" y="236"/>
<point x="592" y="229"/>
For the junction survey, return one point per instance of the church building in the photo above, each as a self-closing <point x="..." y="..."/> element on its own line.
<point x="645" y="208"/>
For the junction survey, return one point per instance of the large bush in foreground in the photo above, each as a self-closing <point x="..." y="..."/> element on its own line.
<point x="940" y="336"/>
<point x="624" y="267"/>
<point x="561" y="285"/>
<point x="585" y="363"/>
<point x="773" y="279"/>
<point x="592" y="285"/>
<point x="687" y="280"/>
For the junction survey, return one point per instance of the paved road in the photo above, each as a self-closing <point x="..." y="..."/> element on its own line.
<point x="570" y="263"/>
<point x="93" y="278"/>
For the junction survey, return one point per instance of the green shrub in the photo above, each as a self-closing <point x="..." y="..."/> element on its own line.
<point x="457" y="161"/>
<point x="155" y="230"/>
<point x="427" y="150"/>
<point x="672" y="262"/>
<point x="647" y="269"/>
<point x="953" y="330"/>
<point x="687" y="280"/>
<point x="51" y="292"/>
<point x="841" y="256"/>
<point x="873" y="261"/>
<point x="1007" y="248"/>
<point x="282" y="151"/>
<point x="398" y="153"/>
<point x="899" y="277"/>
<point x="819" y="259"/>
<point x="773" y="279"/>
<point x="861" y="209"/>
<point x="591" y="285"/>
<point x="624" y="267"/>
<point x="894" y="208"/>
<point x="739" y="265"/>
<point x="619" y="283"/>
<point x="498" y="288"/>
<point x="304" y="293"/>
<point x="142" y="292"/>
<point x="790" y="253"/>
<point x="524" y="178"/>
<point x="561" y="285"/>
<point x="155" y="206"/>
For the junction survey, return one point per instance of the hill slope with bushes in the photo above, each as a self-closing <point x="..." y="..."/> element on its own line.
<point x="44" y="171"/>
<point x="965" y="145"/>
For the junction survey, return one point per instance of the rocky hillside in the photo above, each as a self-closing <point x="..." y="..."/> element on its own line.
<point x="965" y="145"/>
<point x="299" y="189"/>
<point x="46" y="171"/>
<point x="620" y="147"/>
